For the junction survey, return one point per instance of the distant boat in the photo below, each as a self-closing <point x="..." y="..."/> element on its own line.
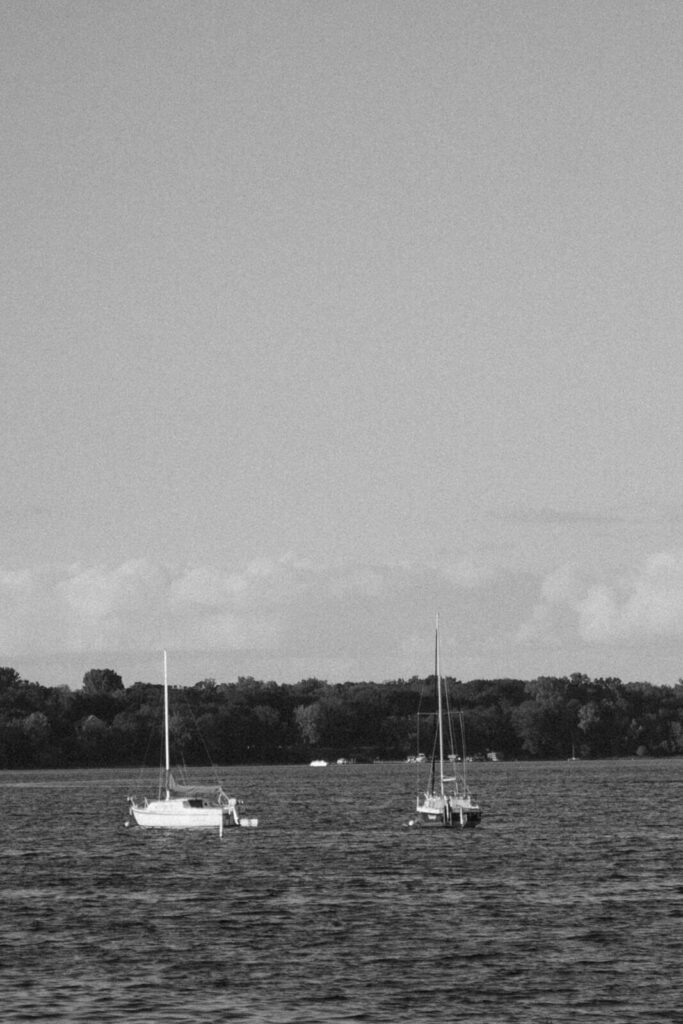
<point x="447" y="801"/>
<point x="187" y="807"/>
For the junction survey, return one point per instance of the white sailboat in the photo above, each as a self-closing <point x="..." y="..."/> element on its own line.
<point x="447" y="801"/>
<point x="187" y="807"/>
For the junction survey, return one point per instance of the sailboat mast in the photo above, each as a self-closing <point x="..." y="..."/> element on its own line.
<point x="166" y="745"/>
<point x="437" y="670"/>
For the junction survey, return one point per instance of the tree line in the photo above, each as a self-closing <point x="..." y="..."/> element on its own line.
<point x="262" y="722"/>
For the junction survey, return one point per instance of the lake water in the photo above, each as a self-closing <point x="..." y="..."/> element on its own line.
<point x="566" y="905"/>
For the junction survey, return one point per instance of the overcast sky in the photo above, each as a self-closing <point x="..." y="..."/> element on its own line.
<point x="321" y="317"/>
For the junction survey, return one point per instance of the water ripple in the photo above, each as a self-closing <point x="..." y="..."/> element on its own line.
<point x="566" y="904"/>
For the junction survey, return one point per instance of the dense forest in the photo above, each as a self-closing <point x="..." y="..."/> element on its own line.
<point x="250" y="721"/>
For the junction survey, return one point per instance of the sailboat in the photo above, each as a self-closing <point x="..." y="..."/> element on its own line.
<point x="187" y="807"/>
<point x="447" y="801"/>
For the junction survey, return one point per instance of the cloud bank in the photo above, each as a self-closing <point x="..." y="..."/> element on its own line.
<point x="643" y="603"/>
<point x="144" y="605"/>
<point x="288" y="618"/>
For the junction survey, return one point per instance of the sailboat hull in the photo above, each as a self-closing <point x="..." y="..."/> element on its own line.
<point x="179" y="814"/>
<point x="451" y="812"/>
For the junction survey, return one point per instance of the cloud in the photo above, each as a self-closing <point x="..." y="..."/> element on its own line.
<point x="560" y="590"/>
<point x="141" y="604"/>
<point x="649" y="603"/>
<point x="287" y="604"/>
<point x="646" y="602"/>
